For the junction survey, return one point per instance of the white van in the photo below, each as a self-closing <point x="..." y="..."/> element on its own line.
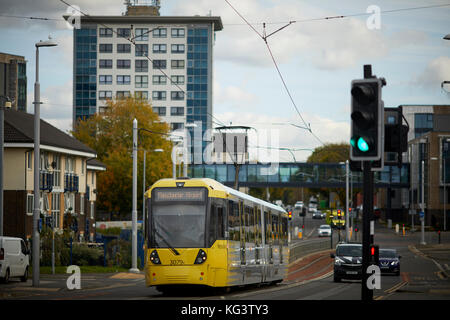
<point x="14" y="259"/>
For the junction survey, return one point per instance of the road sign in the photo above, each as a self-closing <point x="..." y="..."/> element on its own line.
<point x="421" y="214"/>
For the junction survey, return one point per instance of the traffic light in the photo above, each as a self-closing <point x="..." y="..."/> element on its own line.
<point x="367" y="120"/>
<point x="339" y="214"/>
<point x="290" y="215"/>
<point x="375" y="254"/>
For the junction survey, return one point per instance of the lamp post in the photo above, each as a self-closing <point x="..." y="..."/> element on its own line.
<point x="37" y="139"/>
<point x="134" y="196"/>
<point x="134" y="202"/>
<point x="2" y="136"/>
<point x="422" y="219"/>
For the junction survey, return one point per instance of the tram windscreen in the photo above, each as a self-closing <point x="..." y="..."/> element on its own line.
<point x="179" y="225"/>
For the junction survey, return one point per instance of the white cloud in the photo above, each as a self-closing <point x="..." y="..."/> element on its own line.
<point x="234" y="97"/>
<point x="56" y="107"/>
<point x="328" y="44"/>
<point x="286" y="135"/>
<point x="435" y="72"/>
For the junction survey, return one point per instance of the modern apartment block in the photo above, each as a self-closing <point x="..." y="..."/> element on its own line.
<point x="429" y="143"/>
<point x="13" y="80"/>
<point x="167" y="60"/>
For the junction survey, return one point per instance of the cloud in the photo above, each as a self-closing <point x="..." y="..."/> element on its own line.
<point x="437" y="71"/>
<point x="234" y="97"/>
<point x="277" y="132"/>
<point x="327" y="44"/>
<point x="51" y="9"/>
<point x="56" y="107"/>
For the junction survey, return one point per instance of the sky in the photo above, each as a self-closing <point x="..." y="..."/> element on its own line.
<point x="318" y="54"/>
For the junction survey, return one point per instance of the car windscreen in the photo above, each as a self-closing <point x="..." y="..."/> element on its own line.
<point x="387" y="254"/>
<point x="349" y="251"/>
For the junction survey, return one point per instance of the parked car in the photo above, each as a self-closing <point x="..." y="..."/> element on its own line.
<point x="324" y="230"/>
<point x="14" y="259"/>
<point x="389" y="261"/>
<point x="347" y="261"/>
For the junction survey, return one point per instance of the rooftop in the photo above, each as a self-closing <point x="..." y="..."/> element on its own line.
<point x="153" y="20"/>
<point x="19" y="129"/>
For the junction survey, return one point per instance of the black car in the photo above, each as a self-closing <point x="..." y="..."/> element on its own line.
<point x="389" y="261"/>
<point x="348" y="261"/>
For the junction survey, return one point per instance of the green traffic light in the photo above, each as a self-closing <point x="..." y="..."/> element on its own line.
<point x="352" y="142"/>
<point x="363" y="145"/>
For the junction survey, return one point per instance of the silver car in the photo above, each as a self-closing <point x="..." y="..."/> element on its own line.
<point x="324" y="230"/>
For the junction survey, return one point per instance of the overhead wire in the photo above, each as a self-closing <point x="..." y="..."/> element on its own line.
<point x="264" y="38"/>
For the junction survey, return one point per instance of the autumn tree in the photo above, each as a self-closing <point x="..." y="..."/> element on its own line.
<point x="110" y="134"/>
<point x="330" y="153"/>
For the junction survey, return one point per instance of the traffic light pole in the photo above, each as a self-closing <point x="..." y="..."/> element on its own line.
<point x="366" y="293"/>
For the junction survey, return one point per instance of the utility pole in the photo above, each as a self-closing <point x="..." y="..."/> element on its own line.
<point x="134" y="202"/>
<point x="422" y="214"/>
<point x="347" y="169"/>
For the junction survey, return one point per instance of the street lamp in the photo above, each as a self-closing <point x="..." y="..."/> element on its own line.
<point x="2" y="131"/>
<point x="37" y="139"/>
<point x="134" y="268"/>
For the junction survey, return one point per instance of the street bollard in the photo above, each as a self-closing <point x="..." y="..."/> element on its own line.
<point x="396" y="228"/>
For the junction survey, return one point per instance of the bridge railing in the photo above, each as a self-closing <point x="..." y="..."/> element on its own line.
<point x="297" y="174"/>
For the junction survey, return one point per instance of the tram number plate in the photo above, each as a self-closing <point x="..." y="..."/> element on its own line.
<point x="176" y="262"/>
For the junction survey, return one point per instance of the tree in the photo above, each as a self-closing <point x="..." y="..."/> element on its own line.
<point x="110" y="134"/>
<point x="330" y="153"/>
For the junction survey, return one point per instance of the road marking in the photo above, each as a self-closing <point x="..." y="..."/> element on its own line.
<point x="396" y="287"/>
<point x="125" y="275"/>
<point x="34" y="289"/>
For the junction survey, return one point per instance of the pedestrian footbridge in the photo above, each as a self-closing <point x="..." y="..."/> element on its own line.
<point x="295" y="174"/>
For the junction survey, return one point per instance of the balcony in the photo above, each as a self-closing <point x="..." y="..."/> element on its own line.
<point x="45" y="180"/>
<point x="70" y="182"/>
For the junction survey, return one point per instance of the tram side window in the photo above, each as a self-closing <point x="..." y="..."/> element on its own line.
<point x="267" y="227"/>
<point x="284" y="231"/>
<point x="249" y="224"/>
<point x="257" y="225"/>
<point x="275" y="230"/>
<point x="216" y="227"/>
<point x="233" y="221"/>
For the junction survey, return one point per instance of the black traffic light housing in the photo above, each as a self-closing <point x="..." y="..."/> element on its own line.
<point x="367" y="127"/>
<point x="290" y="215"/>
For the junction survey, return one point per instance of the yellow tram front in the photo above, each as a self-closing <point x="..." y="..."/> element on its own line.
<point x="181" y="249"/>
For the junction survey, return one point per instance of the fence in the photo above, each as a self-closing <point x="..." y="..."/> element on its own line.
<point x="117" y="249"/>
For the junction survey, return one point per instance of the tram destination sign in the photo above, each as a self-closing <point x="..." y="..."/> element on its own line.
<point x="181" y="194"/>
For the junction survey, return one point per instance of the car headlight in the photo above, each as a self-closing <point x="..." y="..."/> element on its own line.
<point x="393" y="263"/>
<point x="338" y="261"/>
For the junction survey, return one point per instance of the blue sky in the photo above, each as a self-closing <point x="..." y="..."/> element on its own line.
<point x="318" y="59"/>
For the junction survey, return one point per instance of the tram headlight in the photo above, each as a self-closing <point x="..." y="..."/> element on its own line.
<point x="154" y="258"/>
<point x="201" y="257"/>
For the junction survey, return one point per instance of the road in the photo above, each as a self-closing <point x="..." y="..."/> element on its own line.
<point x="425" y="275"/>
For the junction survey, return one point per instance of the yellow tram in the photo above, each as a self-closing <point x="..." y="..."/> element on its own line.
<point x="200" y="232"/>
